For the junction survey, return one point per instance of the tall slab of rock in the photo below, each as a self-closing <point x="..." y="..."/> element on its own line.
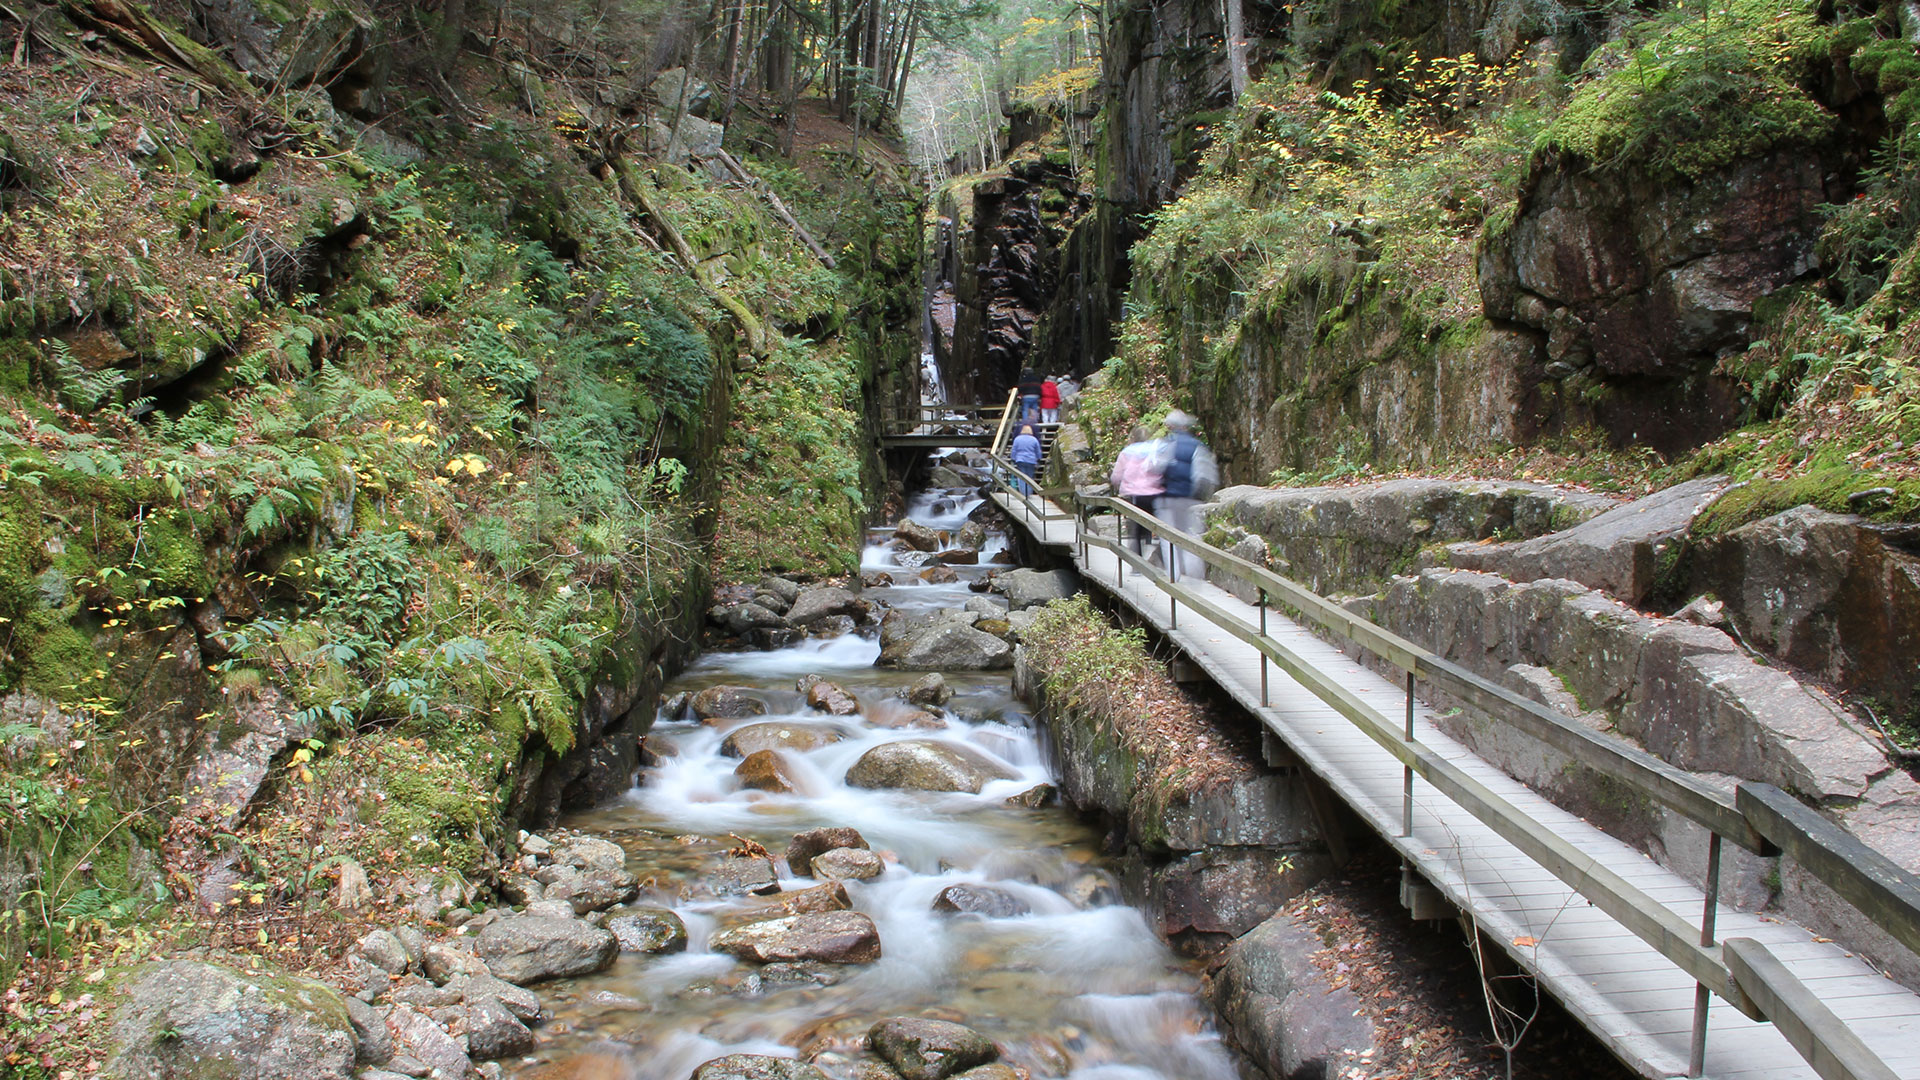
<point x="181" y="1018"/>
<point x="1636" y="285"/>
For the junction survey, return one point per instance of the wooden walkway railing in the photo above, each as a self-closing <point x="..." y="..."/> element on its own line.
<point x="971" y="425"/>
<point x="1741" y="971"/>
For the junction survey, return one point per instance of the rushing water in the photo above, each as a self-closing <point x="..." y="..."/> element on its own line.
<point x="1078" y="988"/>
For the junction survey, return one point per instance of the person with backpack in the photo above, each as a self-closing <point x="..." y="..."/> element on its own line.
<point x="1025" y="453"/>
<point x="1029" y="397"/>
<point x="1136" y="478"/>
<point x="1188" y="476"/>
<point x="1049" y="401"/>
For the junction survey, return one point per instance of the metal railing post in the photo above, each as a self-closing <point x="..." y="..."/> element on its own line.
<point x="1263" y="652"/>
<point x="1406" y="802"/>
<point x="1702" y="997"/>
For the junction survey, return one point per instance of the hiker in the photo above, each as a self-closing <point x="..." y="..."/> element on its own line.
<point x="1188" y="475"/>
<point x="1029" y="396"/>
<point x="1025" y="453"/>
<point x="1049" y="401"/>
<point x="1136" y="478"/>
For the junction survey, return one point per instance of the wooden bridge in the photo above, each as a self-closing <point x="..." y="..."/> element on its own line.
<point x="1670" y="980"/>
<point x="930" y="427"/>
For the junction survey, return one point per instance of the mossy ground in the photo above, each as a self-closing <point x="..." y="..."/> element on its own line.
<point x="423" y="443"/>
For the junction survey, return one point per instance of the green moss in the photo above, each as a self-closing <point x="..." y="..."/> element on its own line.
<point x="1825" y="486"/>
<point x="57" y="659"/>
<point x="1682" y="97"/>
<point x="173" y="558"/>
<point x="17" y="360"/>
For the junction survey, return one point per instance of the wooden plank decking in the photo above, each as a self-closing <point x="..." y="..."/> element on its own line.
<point x="1633" y="999"/>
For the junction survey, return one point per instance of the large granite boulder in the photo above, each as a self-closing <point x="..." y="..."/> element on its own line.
<point x="833" y="937"/>
<point x="1831" y="594"/>
<point x="649" y="930"/>
<point x="1031" y="588"/>
<point x="726" y="703"/>
<point x="921" y="1049"/>
<point x="183" y="1019"/>
<point x="1621" y="552"/>
<point x="917" y="536"/>
<point x="979" y="900"/>
<point x="523" y="949"/>
<point x="1279" y="1009"/>
<point x="940" y="644"/>
<point x="779" y="735"/>
<point x="824" y="601"/>
<point x="926" y="765"/>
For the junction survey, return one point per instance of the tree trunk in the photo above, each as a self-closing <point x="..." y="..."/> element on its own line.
<point x="1237" y="45"/>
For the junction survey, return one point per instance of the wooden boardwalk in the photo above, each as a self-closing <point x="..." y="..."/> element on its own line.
<point x="1634" y="1000"/>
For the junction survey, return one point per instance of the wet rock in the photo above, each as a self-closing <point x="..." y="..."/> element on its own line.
<point x="833" y="626"/>
<point x="878" y="579"/>
<point x="1280" y="1008"/>
<point x="999" y="628"/>
<point x="832" y="698"/>
<point x="917" y="536"/>
<point x="823" y="600"/>
<point x="943" y="646"/>
<point x="961" y="556"/>
<point x="990" y="1071"/>
<point x="939" y="575"/>
<point x="929" y="1049"/>
<point x="971" y="535"/>
<point x="835" y="937"/>
<point x="183" y="1018"/>
<point x="743" y="619"/>
<point x="926" y="765"/>
<point x="980" y="900"/>
<point x="1619" y="552"/>
<point x="384" y="951"/>
<point x="831" y="896"/>
<point x="899" y="719"/>
<point x="493" y="1032"/>
<point x="726" y="703"/>
<point x="778" y="735"/>
<point x="1035" y="797"/>
<point x="521" y="1002"/>
<point x="527" y="949"/>
<point x="598" y="890"/>
<point x="416" y="1035"/>
<point x="649" y="930"/>
<point x="738" y="877"/>
<point x="847" y="864"/>
<point x="765" y="770"/>
<point x="757" y="1067"/>
<point x="443" y="961"/>
<point x="930" y="689"/>
<point x="1031" y="588"/>
<point x="913" y="560"/>
<point x="809" y="845"/>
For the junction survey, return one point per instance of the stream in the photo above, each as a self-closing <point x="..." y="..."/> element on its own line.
<point x="1077" y="987"/>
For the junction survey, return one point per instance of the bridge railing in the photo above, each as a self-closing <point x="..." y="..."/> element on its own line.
<point x="977" y="419"/>
<point x="1758" y="817"/>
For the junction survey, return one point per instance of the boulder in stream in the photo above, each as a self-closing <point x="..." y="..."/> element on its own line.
<point x="649" y="930"/>
<point x="823" y="600"/>
<point x="926" y="765"/>
<point x="765" y="770"/>
<point x="494" y="1032"/>
<point x="921" y="1049"/>
<point x="917" y="536"/>
<point x="806" y="846"/>
<point x="980" y="900"/>
<point x="944" y="645"/>
<point x="757" y="1067"/>
<point x="832" y="698"/>
<point x="959" y="556"/>
<point x="183" y="1018"/>
<point x="739" y="876"/>
<point x="524" y="949"/>
<point x="930" y="689"/>
<point x="847" y="864"/>
<point x="1031" y="588"/>
<point x="778" y="735"/>
<point x="726" y="703"/>
<point x="836" y="937"/>
<point x="939" y="575"/>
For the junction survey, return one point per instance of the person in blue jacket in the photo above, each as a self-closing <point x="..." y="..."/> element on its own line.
<point x="1025" y="453"/>
<point x="1188" y="475"/>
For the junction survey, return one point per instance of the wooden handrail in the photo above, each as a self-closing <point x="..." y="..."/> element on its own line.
<point x="1760" y="817"/>
<point x="1000" y="436"/>
<point x="1671" y="786"/>
<point x="1875" y="885"/>
<point x="1647" y="918"/>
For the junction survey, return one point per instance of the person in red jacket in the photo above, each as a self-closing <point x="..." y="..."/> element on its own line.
<point x="1049" y="401"/>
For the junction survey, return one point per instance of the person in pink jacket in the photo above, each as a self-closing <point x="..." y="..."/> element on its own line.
<point x="1136" y="478"/>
